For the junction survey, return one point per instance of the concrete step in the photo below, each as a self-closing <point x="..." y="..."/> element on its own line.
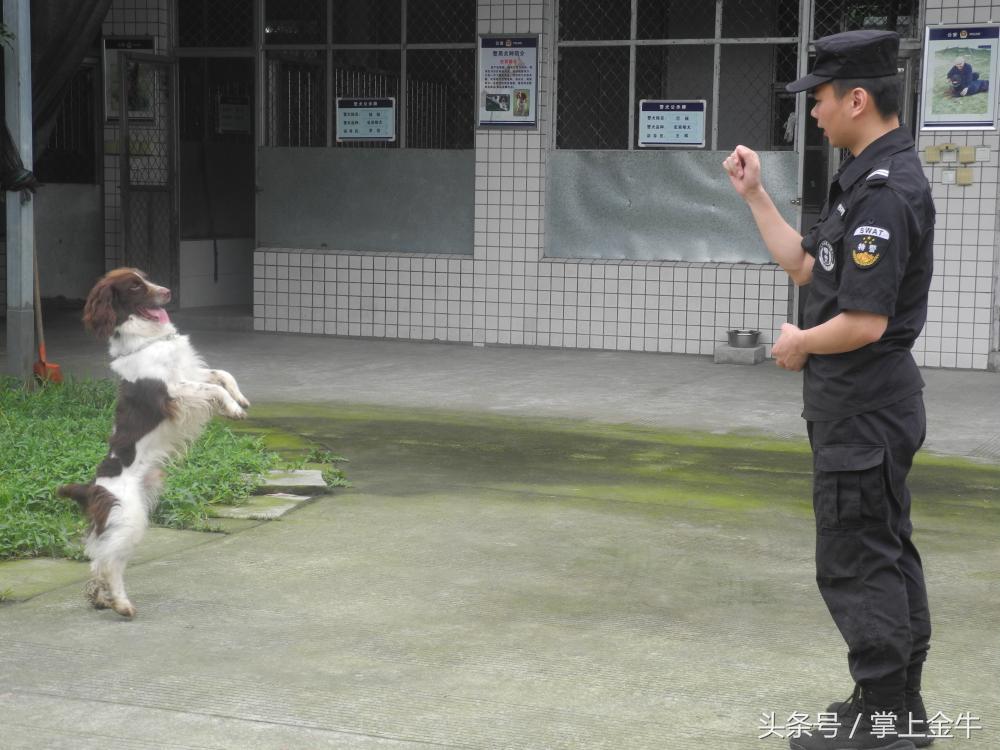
<point x="262" y="507"/>
<point x="297" y="481"/>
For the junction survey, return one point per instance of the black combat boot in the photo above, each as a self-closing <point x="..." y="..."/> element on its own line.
<point x="914" y="719"/>
<point x="859" y="726"/>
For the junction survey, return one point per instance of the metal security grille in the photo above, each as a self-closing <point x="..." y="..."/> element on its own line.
<point x="369" y="52"/>
<point x="295" y="21"/>
<point x="735" y="54"/>
<point x="366" y="73"/>
<point x="367" y="22"/>
<point x="440" y="21"/>
<point x="148" y="168"/>
<point x="218" y="23"/>
<point x="440" y="97"/>
<point x="69" y="155"/>
<point x="833" y="16"/>
<point x="593" y="97"/>
<point x="296" y="97"/>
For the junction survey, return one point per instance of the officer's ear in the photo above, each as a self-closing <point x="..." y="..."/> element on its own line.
<point x="861" y="100"/>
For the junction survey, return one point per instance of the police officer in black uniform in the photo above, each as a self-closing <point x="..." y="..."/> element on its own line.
<point x="866" y="269"/>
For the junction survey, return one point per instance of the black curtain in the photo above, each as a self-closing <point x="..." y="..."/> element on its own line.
<point x="61" y="34"/>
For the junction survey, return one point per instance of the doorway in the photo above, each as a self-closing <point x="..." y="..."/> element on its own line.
<point x="216" y="137"/>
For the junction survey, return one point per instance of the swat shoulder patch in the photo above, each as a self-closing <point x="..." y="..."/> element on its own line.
<point x="871" y="244"/>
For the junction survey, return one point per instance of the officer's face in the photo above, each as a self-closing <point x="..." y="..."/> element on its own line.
<point x="832" y="114"/>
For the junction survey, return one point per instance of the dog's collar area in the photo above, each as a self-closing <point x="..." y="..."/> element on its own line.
<point x="148" y="344"/>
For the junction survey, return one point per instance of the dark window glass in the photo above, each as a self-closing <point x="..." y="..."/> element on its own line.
<point x="218" y="23"/>
<point x="593" y="98"/>
<point x="295" y="22"/>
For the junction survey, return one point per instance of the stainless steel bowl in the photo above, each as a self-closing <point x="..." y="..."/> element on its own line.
<point x="742" y="338"/>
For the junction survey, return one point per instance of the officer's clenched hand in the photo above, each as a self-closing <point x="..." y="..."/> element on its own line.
<point x="743" y="168"/>
<point x="789" y="350"/>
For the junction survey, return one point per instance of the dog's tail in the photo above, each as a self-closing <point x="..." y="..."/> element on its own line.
<point x="95" y="501"/>
<point x="78" y="492"/>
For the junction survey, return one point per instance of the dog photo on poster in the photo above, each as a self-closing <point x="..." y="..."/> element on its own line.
<point x="959" y="77"/>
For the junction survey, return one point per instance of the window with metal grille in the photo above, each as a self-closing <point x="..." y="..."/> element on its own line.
<point x="215" y="23"/>
<point x="71" y="152"/>
<point x="833" y="16"/>
<point x="360" y="48"/>
<point x="735" y="55"/>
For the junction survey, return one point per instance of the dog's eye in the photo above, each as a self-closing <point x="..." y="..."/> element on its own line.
<point x="136" y="287"/>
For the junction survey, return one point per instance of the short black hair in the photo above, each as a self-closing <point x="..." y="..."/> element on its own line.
<point x="884" y="91"/>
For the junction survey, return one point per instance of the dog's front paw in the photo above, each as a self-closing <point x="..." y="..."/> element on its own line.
<point x="235" y="412"/>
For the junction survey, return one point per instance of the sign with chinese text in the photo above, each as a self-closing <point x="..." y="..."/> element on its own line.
<point x="366" y="119"/>
<point x="672" y="122"/>
<point x="233" y="114"/>
<point x="508" y="81"/>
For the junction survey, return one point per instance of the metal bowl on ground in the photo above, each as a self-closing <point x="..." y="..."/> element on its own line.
<point x="742" y="338"/>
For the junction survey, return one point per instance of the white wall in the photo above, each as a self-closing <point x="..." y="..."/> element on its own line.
<point x="198" y="286"/>
<point x="508" y="293"/>
<point x="962" y="314"/>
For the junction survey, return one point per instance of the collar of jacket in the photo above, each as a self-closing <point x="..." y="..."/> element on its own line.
<point x="878" y="150"/>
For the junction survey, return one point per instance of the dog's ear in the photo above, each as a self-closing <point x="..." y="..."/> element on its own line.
<point x="99" y="313"/>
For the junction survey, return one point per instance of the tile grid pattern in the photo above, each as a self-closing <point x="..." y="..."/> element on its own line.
<point x="507" y="293"/>
<point x="962" y="316"/>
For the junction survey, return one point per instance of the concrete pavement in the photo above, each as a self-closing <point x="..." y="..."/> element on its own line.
<point x="669" y="391"/>
<point x="542" y="549"/>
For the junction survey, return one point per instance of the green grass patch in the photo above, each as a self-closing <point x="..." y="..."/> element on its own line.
<point x="58" y="434"/>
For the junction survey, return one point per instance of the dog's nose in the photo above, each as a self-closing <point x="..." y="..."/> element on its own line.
<point x="165" y="293"/>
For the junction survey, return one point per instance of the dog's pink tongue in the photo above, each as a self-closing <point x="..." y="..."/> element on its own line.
<point x="158" y="314"/>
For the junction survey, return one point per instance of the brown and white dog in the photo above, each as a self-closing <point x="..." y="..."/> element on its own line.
<point x="165" y="397"/>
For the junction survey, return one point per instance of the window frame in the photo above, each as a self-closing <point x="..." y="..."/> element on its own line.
<point x="633" y="43"/>
<point x="329" y="48"/>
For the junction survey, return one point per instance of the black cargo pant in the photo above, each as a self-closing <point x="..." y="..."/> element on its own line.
<point x="867" y="568"/>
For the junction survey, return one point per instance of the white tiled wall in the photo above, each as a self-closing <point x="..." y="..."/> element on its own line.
<point x="962" y="316"/>
<point x="507" y="293"/>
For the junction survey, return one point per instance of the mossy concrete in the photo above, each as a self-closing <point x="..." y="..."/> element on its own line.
<point x="502" y="582"/>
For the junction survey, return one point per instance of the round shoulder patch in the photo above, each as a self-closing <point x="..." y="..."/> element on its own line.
<point x="825" y="255"/>
<point x="870" y="245"/>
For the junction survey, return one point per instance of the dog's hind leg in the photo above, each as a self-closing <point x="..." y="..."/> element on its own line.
<point x="96" y="589"/>
<point x="116" y="583"/>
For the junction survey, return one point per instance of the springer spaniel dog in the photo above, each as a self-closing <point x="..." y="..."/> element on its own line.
<point x="165" y="397"/>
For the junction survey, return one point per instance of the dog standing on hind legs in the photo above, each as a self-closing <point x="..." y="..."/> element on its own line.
<point x="166" y="396"/>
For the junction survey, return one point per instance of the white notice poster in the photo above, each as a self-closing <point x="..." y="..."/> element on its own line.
<point x="508" y="81"/>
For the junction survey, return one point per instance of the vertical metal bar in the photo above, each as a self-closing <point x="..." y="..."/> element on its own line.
<point x="263" y="115"/>
<point x="717" y="72"/>
<point x="124" y="151"/>
<point x="331" y="111"/>
<point x="633" y="28"/>
<point x="552" y="94"/>
<point x="404" y="104"/>
<point x="20" y="214"/>
<point x="173" y="170"/>
<point x="805" y="37"/>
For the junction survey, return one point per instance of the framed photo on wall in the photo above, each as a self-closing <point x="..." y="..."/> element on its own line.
<point x="959" y="84"/>
<point x="140" y="81"/>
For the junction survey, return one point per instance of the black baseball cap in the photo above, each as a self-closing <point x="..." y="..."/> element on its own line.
<point x="851" y="54"/>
